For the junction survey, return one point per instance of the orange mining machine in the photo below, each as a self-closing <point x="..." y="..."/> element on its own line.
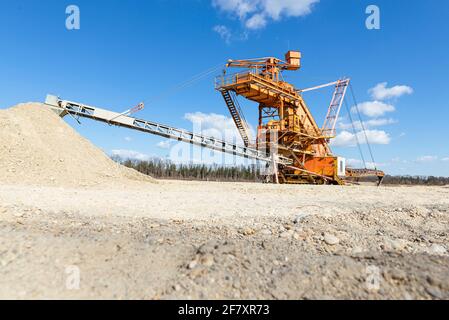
<point x="286" y="126"/>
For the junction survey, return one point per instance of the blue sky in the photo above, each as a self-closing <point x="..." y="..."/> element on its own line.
<point x="131" y="51"/>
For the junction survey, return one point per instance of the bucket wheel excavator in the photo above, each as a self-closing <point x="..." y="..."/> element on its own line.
<point x="286" y="126"/>
<point x="288" y="136"/>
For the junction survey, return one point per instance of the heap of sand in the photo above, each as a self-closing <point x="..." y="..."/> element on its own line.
<point x="37" y="147"/>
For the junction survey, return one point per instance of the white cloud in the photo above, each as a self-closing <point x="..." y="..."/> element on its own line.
<point x="445" y="159"/>
<point x="356" y="163"/>
<point x="353" y="163"/>
<point x="348" y="139"/>
<point x="382" y="92"/>
<point x="224" y="32"/>
<point x="128" y="139"/>
<point x="164" y="144"/>
<point x="374" y="108"/>
<point x="257" y="21"/>
<point x="367" y="124"/>
<point x="239" y="7"/>
<point x="344" y="139"/>
<point x="214" y="125"/>
<point x="399" y="160"/>
<point x="375" y="137"/>
<point x="130" y="154"/>
<point x="290" y="8"/>
<point x="256" y="13"/>
<point x="427" y="159"/>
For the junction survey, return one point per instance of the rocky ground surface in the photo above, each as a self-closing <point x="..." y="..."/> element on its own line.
<point x="191" y="240"/>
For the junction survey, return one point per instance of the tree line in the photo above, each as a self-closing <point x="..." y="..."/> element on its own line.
<point x="416" y="180"/>
<point x="165" y="169"/>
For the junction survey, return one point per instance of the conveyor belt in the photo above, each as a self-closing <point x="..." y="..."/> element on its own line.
<point x="64" y="107"/>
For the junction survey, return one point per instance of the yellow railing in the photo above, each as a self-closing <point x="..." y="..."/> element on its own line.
<point x="227" y="80"/>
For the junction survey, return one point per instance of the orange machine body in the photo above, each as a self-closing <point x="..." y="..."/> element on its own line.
<point x="286" y="125"/>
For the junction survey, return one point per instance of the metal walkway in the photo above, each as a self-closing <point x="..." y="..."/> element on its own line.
<point x="64" y="107"/>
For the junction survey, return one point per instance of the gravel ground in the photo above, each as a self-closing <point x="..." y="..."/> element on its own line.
<point x="192" y="240"/>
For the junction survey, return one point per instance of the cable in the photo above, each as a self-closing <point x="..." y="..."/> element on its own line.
<point x="363" y="126"/>
<point x="355" y="134"/>
<point x="186" y="83"/>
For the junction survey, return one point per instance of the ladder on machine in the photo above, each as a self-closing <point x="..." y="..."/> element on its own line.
<point x="333" y="112"/>
<point x="237" y="115"/>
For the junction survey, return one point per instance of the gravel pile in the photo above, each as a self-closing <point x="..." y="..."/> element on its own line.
<point x="37" y="147"/>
